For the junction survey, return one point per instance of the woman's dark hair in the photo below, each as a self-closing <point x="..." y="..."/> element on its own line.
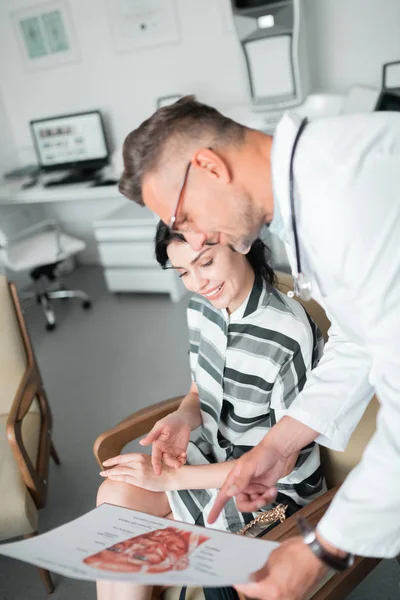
<point x="258" y="255"/>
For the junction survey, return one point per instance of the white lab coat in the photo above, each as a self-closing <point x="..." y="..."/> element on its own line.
<point x="347" y="198"/>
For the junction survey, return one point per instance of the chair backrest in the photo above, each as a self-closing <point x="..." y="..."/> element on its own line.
<point x="13" y="361"/>
<point x="25" y="416"/>
<point x="337" y="465"/>
<point x="14" y="220"/>
<point x="18" y="514"/>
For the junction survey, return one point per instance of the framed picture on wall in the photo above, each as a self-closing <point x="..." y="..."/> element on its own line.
<point x="137" y="24"/>
<point x="45" y="35"/>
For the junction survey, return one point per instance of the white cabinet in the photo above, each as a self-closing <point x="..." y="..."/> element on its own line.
<point x="125" y="240"/>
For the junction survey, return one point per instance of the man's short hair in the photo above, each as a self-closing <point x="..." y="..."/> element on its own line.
<point x="185" y="121"/>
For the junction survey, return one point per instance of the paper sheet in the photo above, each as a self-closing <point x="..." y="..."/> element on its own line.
<point x="119" y="544"/>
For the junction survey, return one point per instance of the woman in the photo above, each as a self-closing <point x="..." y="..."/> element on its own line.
<point x="251" y="348"/>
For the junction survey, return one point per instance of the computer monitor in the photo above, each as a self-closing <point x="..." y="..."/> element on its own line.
<point x="388" y="100"/>
<point x="74" y="142"/>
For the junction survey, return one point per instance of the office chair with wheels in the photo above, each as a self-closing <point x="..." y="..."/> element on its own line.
<point x="40" y="249"/>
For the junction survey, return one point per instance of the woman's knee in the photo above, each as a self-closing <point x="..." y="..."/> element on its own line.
<point x="114" y="492"/>
<point x="129" y="496"/>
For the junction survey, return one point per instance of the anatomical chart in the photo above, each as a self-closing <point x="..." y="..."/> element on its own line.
<point x="119" y="544"/>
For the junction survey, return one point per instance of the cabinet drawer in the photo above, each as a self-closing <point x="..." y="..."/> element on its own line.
<point x="127" y="233"/>
<point x="128" y="254"/>
<point x="140" y="280"/>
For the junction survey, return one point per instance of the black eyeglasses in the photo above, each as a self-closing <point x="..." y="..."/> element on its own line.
<point x="172" y="220"/>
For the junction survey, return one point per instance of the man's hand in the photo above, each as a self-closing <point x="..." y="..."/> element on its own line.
<point x="291" y="573"/>
<point x="137" y="470"/>
<point x="252" y="480"/>
<point x="169" y="438"/>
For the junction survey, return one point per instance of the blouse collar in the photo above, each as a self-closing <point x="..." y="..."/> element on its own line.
<point x="252" y="303"/>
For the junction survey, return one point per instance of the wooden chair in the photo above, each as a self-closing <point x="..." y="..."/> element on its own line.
<point x="336" y="466"/>
<point x="25" y="427"/>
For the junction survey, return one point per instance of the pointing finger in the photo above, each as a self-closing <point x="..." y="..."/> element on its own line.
<point x="231" y="487"/>
<point x="220" y="501"/>
<point x="151" y="436"/>
<point x="156" y="459"/>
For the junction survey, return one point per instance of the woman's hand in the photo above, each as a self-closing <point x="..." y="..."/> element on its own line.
<point x="169" y="438"/>
<point x="136" y="469"/>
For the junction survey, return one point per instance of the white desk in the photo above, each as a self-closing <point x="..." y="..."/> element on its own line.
<point x="75" y="206"/>
<point x="12" y="193"/>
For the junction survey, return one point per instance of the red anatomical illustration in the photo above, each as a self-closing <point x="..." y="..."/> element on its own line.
<point x="153" y="552"/>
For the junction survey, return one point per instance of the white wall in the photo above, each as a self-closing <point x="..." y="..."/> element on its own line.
<point x="207" y="61"/>
<point x="349" y="40"/>
<point x="7" y="149"/>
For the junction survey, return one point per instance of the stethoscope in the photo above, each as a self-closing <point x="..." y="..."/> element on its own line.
<point x="302" y="283"/>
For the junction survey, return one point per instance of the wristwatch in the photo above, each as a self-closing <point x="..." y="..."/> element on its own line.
<point x="332" y="561"/>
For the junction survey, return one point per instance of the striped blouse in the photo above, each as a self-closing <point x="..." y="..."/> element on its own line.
<point x="249" y="366"/>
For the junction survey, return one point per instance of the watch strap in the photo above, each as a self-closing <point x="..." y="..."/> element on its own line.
<point x="332" y="561"/>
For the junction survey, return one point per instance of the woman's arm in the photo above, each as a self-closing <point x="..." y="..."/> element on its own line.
<point x="189" y="409"/>
<point x="199" y="477"/>
<point x="137" y="469"/>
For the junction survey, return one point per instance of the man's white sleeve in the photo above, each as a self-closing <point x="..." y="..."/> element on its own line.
<point x="337" y="391"/>
<point x="364" y="517"/>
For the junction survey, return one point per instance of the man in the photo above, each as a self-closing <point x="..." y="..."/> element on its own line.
<point x="219" y="182"/>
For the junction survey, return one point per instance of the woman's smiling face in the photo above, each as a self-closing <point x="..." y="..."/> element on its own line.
<point x="218" y="273"/>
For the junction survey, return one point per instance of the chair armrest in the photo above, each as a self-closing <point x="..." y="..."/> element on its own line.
<point x="312" y="512"/>
<point x="111" y="442"/>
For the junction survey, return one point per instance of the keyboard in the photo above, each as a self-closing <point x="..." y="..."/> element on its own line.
<point x="72" y="178"/>
<point x="104" y="182"/>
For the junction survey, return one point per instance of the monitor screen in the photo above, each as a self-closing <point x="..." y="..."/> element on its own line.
<point x="388" y="101"/>
<point x="247" y="4"/>
<point x="70" y="141"/>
